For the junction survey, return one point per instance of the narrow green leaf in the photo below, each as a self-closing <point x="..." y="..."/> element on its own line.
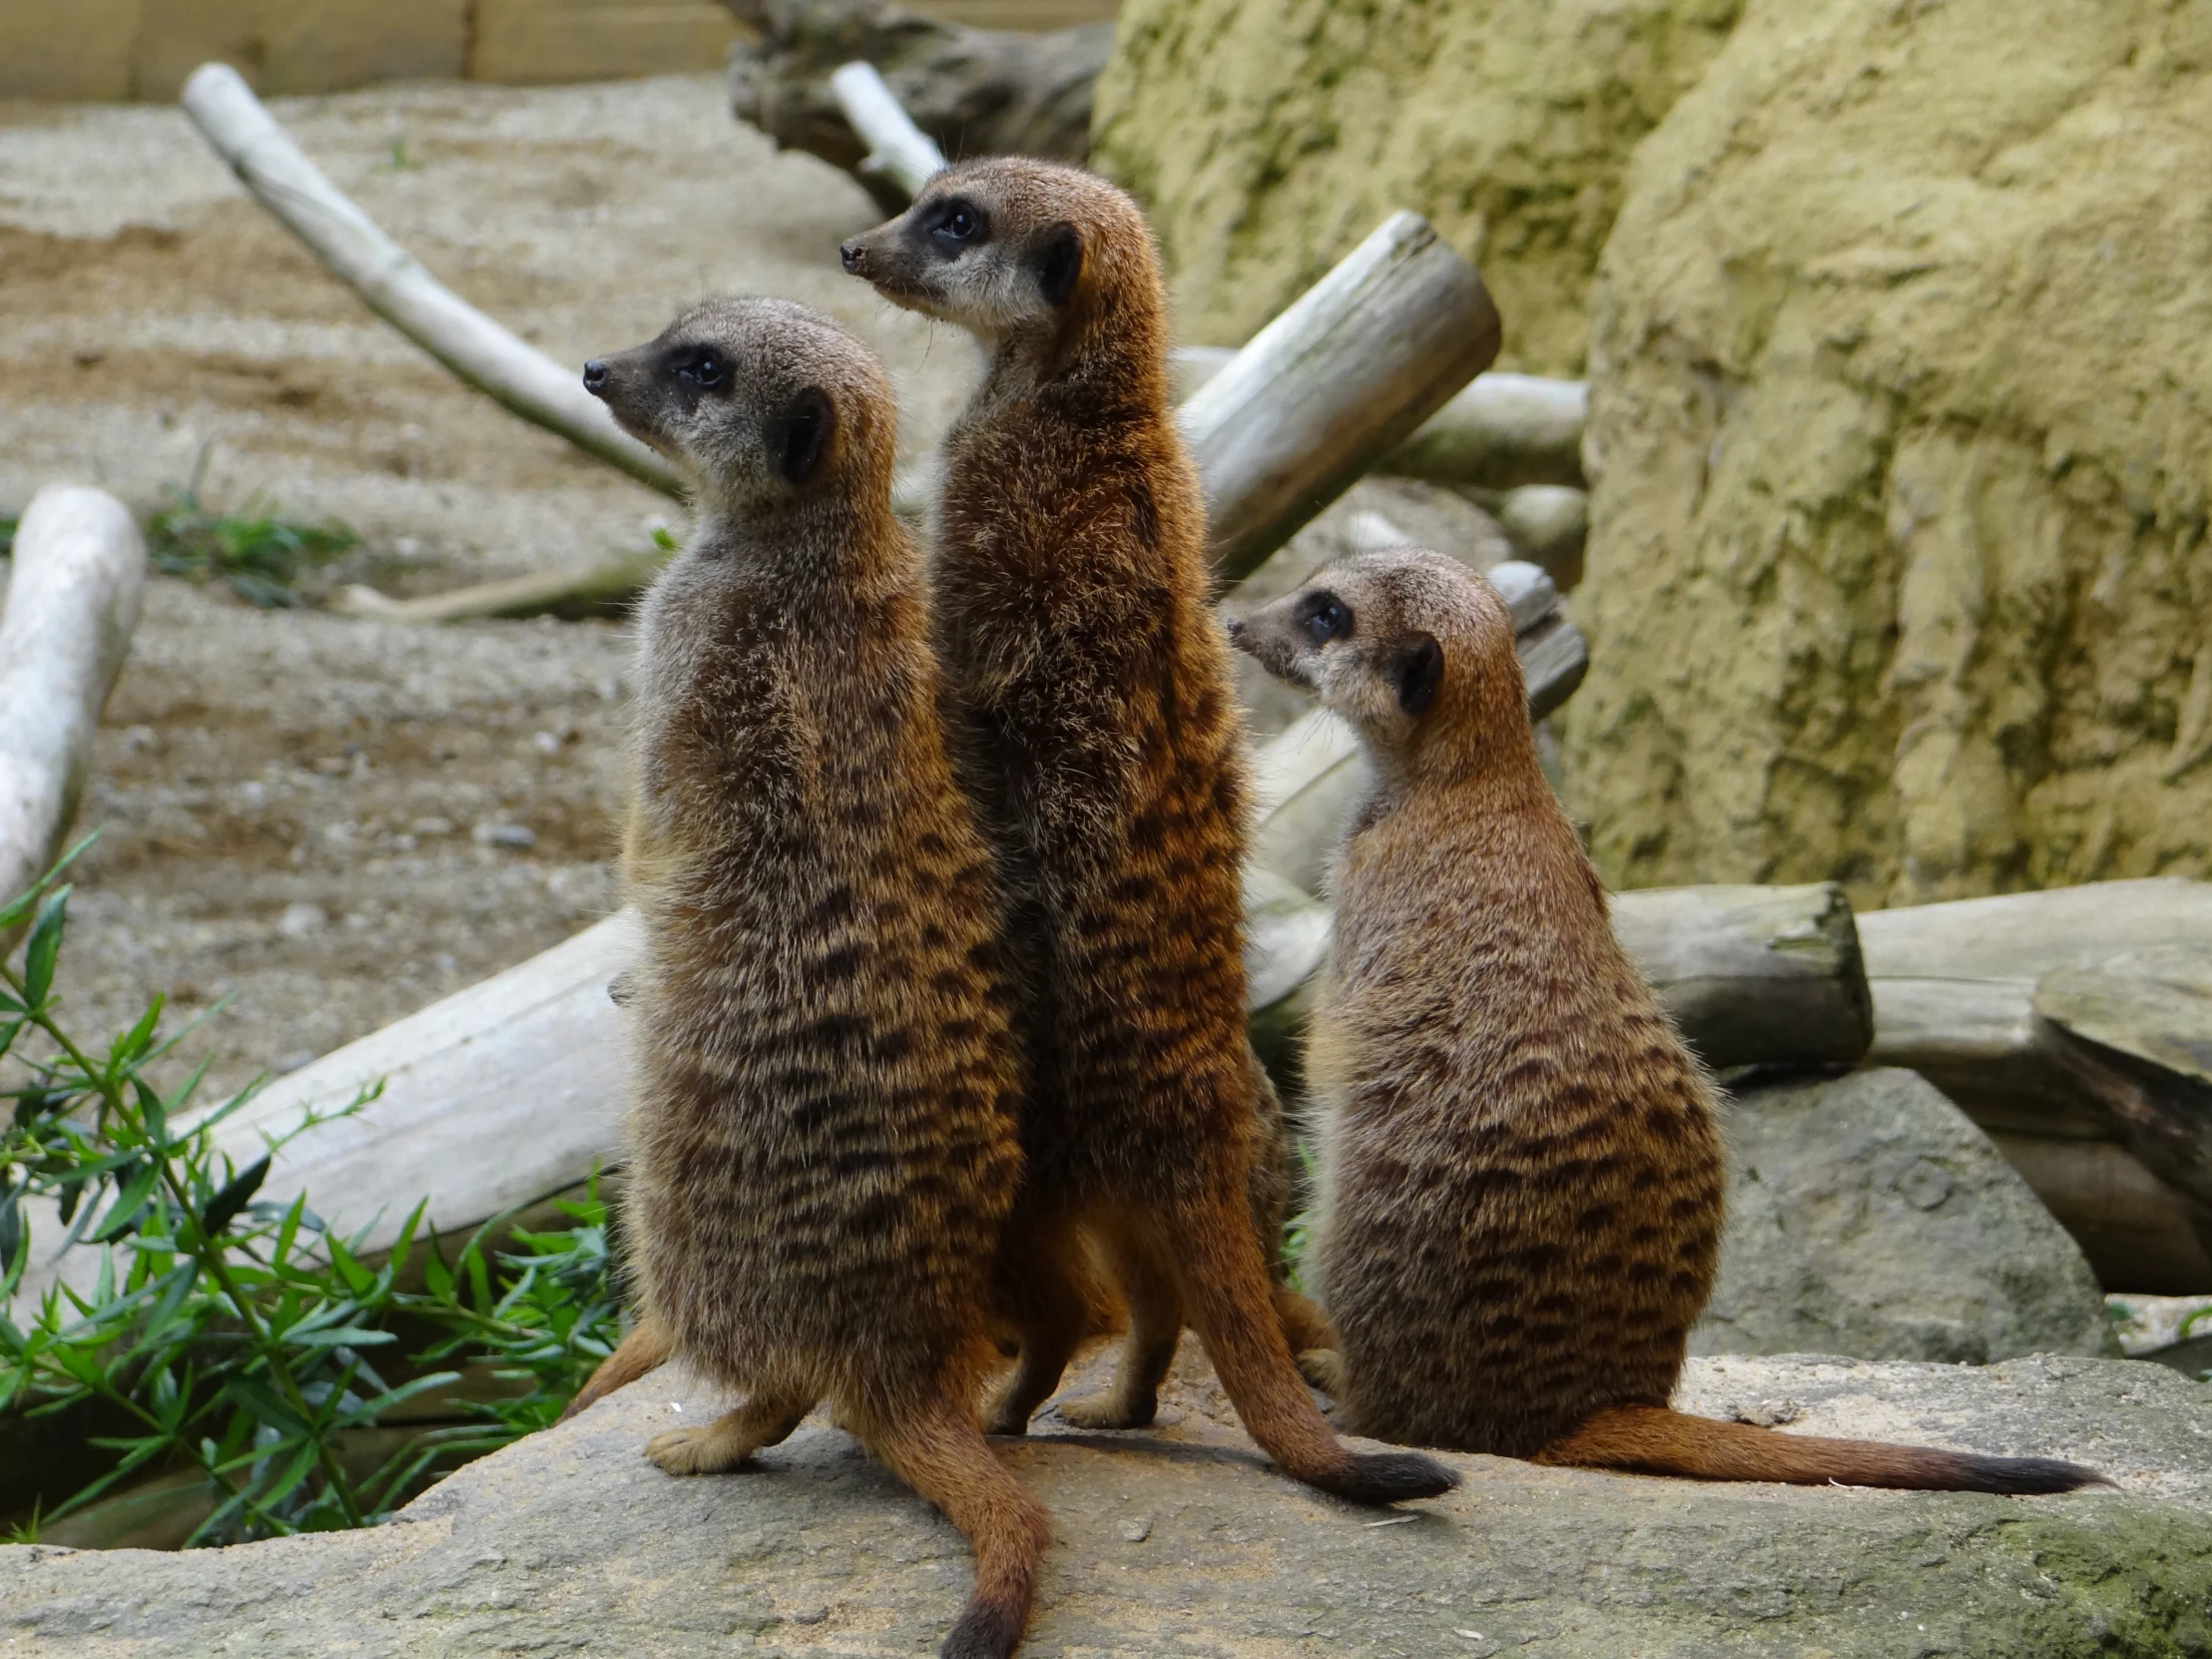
<point x="135" y="1043"/>
<point x="266" y="1406"/>
<point x="130" y="1204"/>
<point x="153" y="1113"/>
<point x="223" y="1209"/>
<point x="44" y="947"/>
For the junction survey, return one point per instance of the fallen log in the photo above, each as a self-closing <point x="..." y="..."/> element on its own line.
<point x="1334" y="382"/>
<point x="72" y="601"/>
<point x="899" y="156"/>
<point x="494" y="1098"/>
<point x="1955" y="988"/>
<point x="1499" y="434"/>
<point x="2138" y="1233"/>
<point x="1955" y="996"/>
<point x="2136" y="1035"/>
<point x="396" y="286"/>
<point x="969" y="90"/>
<point x="571" y="591"/>
<point x="1753" y="975"/>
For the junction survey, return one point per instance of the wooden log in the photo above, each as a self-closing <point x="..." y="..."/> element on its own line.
<point x="571" y="591"/>
<point x="2138" y="1233"/>
<point x="1955" y="988"/>
<point x="1502" y="431"/>
<point x="72" y="601"/>
<point x="899" y="153"/>
<point x="1753" y="975"/>
<point x="1498" y="434"/>
<point x="495" y="1097"/>
<point x="1339" y="379"/>
<point x="970" y="91"/>
<point x="395" y="284"/>
<point x="2137" y="1033"/>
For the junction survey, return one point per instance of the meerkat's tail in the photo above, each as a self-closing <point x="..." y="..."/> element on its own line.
<point x="1226" y="1289"/>
<point x="647" y="1347"/>
<point x="939" y="1451"/>
<point x="1656" y="1441"/>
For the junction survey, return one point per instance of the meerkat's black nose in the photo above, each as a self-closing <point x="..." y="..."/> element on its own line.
<point x="1236" y="629"/>
<point x="854" y="256"/>
<point x="595" y="377"/>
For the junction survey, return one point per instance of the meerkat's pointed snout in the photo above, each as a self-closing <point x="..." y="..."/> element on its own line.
<point x="853" y="254"/>
<point x="595" y="377"/>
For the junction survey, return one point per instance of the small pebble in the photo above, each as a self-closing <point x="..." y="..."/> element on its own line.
<point x="516" y="838"/>
<point x="302" y="921"/>
<point x="810" y="1615"/>
<point x="1137" y="1530"/>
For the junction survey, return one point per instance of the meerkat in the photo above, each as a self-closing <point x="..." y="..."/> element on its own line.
<point x="1088" y="690"/>
<point x="1521" y="1183"/>
<point x="823" y="1142"/>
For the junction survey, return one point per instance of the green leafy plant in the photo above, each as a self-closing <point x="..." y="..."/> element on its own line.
<point x="236" y="1337"/>
<point x="259" y="554"/>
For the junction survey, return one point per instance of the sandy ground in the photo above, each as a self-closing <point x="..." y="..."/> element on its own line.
<point x="335" y="821"/>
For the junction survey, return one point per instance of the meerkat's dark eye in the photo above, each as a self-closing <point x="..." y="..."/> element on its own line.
<point x="1328" y="619"/>
<point x="959" y="223"/>
<point x="704" y="369"/>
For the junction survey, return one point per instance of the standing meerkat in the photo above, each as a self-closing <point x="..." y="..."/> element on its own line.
<point x="1088" y="689"/>
<point x="824" y="1139"/>
<point x="1521" y="1184"/>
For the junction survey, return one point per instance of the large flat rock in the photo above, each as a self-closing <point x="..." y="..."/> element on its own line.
<point x="1183" y="1541"/>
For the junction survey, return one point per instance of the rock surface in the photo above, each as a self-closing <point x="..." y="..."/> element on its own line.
<point x="1868" y="1215"/>
<point x="1897" y="568"/>
<point x="1182" y="1542"/>
<point x="1266" y="137"/>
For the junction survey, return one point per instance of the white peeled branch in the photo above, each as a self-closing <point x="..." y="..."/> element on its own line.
<point x="72" y="601"/>
<point x="1339" y="379"/>
<point x="396" y="286"/>
<point x="897" y="150"/>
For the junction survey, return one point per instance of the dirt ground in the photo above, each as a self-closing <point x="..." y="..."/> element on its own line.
<point x="335" y="821"/>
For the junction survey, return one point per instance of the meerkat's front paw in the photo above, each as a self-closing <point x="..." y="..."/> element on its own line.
<point x="708" y="1450"/>
<point x="1324" y="1368"/>
<point x="1004" y="1415"/>
<point x="1107" y="1410"/>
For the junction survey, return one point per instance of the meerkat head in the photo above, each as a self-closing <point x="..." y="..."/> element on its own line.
<point x="1402" y="643"/>
<point x="1008" y="248"/>
<point x="760" y="400"/>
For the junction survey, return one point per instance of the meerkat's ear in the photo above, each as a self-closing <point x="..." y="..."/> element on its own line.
<point x="799" y="438"/>
<point x="1059" y="264"/>
<point x="1415" y="672"/>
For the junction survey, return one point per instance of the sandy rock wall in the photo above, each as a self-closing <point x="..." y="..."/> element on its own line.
<point x="1902" y="426"/>
<point x="1269" y="136"/>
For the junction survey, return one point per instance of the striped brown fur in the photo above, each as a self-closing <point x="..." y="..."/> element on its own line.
<point x="1089" y="693"/>
<point x="1521" y="1183"/>
<point x="824" y="1135"/>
